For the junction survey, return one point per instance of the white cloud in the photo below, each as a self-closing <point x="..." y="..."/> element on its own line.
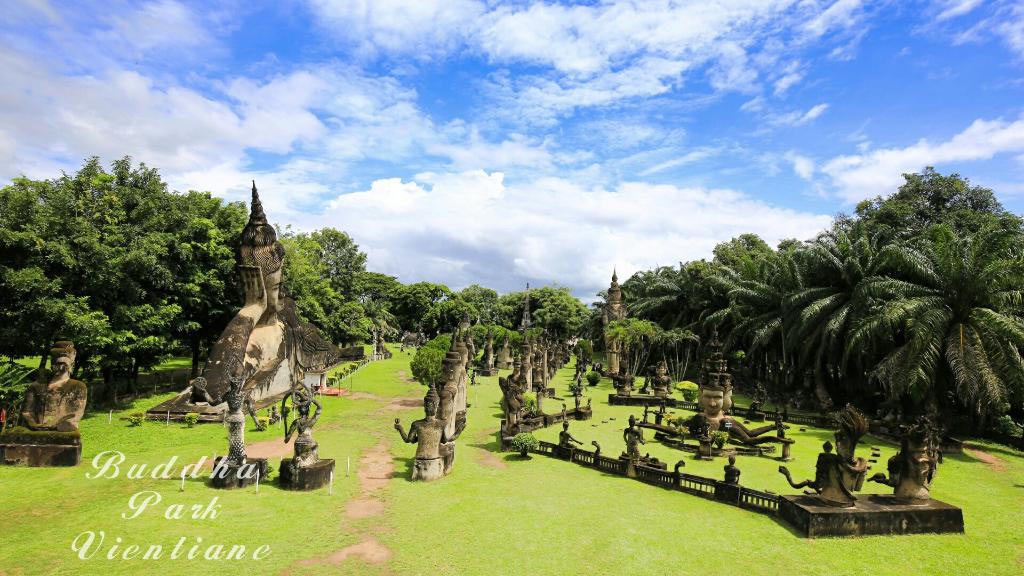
<point x="802" y="165"/>
<point x="408" y="27"/>
<point x="839" y="15"/>
<point x="955" y="8"/>
<point x="697" y="155"/>
<point x="473" y="226"/>
<point x="797" y="117"/>
<point x="860" y="176"/>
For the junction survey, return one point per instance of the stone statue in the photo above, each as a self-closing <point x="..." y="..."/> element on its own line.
<point x="634" y="437"/>
<point x="305" y="447"/>
<point x="505" y="354"/>
<point x="716" y="397"/>
<point x="488" y="359"/>
<point x="662" y="381"/>
<point x="429" y="435"/>
<point x="912" y="468"/>
<point x="56" y="401"/>
<point x="732" y="473"/>
<point x="565" y="439"/>
<point x="267" y="333"/>
<point x="511" y="403"/>
<point x="613" y="311"/>
<point x="234" y="418"/>
<point x="837" y="476"/>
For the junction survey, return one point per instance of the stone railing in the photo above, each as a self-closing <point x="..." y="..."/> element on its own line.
<point x="734" y="494"/>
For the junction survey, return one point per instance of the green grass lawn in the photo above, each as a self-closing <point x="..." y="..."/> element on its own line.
<point x="496" y="514"/>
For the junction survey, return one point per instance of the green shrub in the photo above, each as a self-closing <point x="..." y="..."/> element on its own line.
<point x="136" y="418"/>
<point x="191" y="419"/>
<point x="524" y="442"/>
<point x="426" y="364"/>
<point x="593" y="378"/>
<point x="690" y="395"/>
<point x="530" y="403"/>
<point x="719" y="438"/>
<point x="262" y="423"/>
<point x="1006" y="426"/>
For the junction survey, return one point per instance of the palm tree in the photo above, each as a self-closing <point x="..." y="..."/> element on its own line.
<point x="946" y="322"/>
<point x="759" y="312"/>
<point x="835" y="265"/>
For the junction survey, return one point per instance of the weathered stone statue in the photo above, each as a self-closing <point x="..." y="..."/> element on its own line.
<point x="266" y="333"/>
<point x="305" y="470"/>
<point x="488" y="359"/>
<point x="236" y="470"/>
<point x="716" y="397"/>
<point x="837" y="476"/>
<point x="912" y="468"/>
<point x="662" y="381"/>
<point x="732" y="473"/>
<point x="505" y="354"/>
<point x="429" y="436"/>
<point x="613" y="311"/>
<point x="56" y="401"/>
<point x="633" y="435"/>
<point x="565" y="439"/>
<point x="511" y="403"/>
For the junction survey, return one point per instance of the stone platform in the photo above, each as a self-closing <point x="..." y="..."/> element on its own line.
<point x="230" y="476"/>
<point x="309" y="478"/>
<point x="41" y="448"/>
<point x="877" y="514"/>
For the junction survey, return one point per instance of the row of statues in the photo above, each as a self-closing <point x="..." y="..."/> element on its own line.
<point x="444" y="418"/>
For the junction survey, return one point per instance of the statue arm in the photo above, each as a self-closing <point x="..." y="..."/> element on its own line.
<point x="798" y="485"/>
<point x="255" y="292"/>
<point x="460" y="425"/>
<point x="407" y="438"/>
<point x="316" y="413"/>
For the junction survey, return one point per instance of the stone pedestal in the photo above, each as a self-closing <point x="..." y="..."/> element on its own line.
<point x="426" y="470"/>
<point x="232" y="476"/>
<point x="310" y="477"/>
<point x="41" y="448"/>
<point x="786" y="457"/>
<point x="704" y="450"/>
<point x="873" y="515"/>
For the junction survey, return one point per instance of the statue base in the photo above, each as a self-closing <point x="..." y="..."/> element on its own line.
<point x="232" y="476"/>
<point x="309" y="477"/>
<point x="426" y="470"/>
<point x="38" y="448"/>
<point x="876" y="514"/>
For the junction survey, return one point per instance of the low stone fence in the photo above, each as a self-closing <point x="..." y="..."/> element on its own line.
<point x="734" y="494"/>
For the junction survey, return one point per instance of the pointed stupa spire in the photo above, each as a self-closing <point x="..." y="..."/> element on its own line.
<point x="615" y="274"/>
<point x="256" y="214"/>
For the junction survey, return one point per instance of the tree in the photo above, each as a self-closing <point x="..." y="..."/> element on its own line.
<point x="947" y="323"/>
<point x="341" y="260"/>
<point x="415" y="300"/>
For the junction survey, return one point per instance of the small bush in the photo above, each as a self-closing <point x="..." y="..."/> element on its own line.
<point x="191" y="419"/>
<point x="690" y="395"/>
<point x="593" y="378"/>
<point x="530" y="403"/>
<point x="719" y="439"/>
<point x="524" y="442"/>
<point x="262" y="423"/>
<point x="136" y="418"/>
<point x="1006" y="426"/>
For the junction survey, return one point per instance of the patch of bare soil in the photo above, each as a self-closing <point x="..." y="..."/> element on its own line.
<point x="273" y="448"/>
<point x="375" y="468"/>
<point x="365" y="396"/>
<point x="486" y="457"/>
<point x="991" y="461"/>
<point x="397" y="404"/>
<point x="370" y="551"/>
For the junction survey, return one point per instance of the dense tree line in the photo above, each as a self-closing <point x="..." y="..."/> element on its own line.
<point x="910" y="305"/>
<point x="133" y="273"/>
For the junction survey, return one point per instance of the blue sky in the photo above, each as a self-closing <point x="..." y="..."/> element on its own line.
<point x="467" y="141"/>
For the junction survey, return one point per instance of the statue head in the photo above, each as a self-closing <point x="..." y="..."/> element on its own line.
<point x="632" y="421"/>
<point x="62" y="359"/>
<point x="430" y="402"/>
<point x="199" y="383"/>
<point x="565" y="425"/>
<point x="918" y="456"/>
<point x="260" y="247"/>
<point x="450" y="366"/>
<point x="852" y="425"/>
<point x="712" y="401"/>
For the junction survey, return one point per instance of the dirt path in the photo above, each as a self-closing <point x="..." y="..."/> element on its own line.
<point x="991" y="461"/>
<point x="485" y="457"/>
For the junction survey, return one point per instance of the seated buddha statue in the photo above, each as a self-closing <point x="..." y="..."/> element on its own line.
<point x="56" y="401"/>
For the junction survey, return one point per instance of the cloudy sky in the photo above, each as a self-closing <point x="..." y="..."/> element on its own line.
<point x="463" y="141"/>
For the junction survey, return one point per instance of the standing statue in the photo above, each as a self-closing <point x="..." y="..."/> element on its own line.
<point x="56" y="402"/>
<point x="634" y="437"/>
<point x="305" y="470"/>
<point x="732" y="473"/>
<point x="235" y="419"/>
<point x="837" y="476"/>
<point x="511" y="403"/>
<point x="662" y="381"/>
<point x="912" y="468"/>
<point x="236" y="470"/>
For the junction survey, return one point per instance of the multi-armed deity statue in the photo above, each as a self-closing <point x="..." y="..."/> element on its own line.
<point x="266" y="333"/>
<point x="715" y="398"/>
<point x="54" y="405"/>
<point x="305" y="470"/>
<point x="912" y="468"/>
<point x="838" y="475"/>
<point x="443" y="421"/>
